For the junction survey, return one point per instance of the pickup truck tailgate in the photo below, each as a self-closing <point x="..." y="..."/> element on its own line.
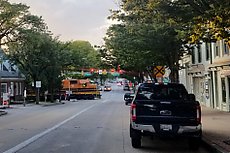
<point x="166" y="112"/>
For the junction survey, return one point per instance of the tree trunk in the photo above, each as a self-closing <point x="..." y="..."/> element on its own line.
<point x="52" y="91"/>
<point x="36" y="90"/>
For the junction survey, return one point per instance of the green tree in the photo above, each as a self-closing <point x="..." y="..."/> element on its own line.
<point x="203" y="20"/>
<point x="37" y="55"/>
<point x="14" y="18"/>
<point x="57" y="57"/>
<point x="83" y="55"/>
<point x="144" y="37"/>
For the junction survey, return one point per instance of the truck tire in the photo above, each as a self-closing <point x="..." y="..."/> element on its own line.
<point x="136" y="142"/>
<point x="92" y="97"/>
<point x="135" y="137"/>
<point x="194" y="143"/>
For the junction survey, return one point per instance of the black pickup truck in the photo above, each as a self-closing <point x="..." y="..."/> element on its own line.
<point x="165" y="110"/>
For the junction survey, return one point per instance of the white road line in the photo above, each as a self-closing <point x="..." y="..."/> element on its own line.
<point x="104" y="101"/>
<point x="34" y="138"/>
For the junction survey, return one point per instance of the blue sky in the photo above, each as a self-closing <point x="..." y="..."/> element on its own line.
<point x="74" y="19"/>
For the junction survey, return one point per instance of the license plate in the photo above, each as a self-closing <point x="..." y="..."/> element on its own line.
<point x="166" y="127"/>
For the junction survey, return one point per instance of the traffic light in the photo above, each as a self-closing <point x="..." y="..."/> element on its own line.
<point x="91" y="70"/>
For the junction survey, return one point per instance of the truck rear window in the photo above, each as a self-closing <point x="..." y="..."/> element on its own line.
<point x="161" y="92"/>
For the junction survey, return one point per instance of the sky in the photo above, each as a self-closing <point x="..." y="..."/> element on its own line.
<point x="74" y="19"/>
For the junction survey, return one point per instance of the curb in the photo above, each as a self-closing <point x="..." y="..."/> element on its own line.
<point x="212" y="147"/>
<point x="52" y="104"/>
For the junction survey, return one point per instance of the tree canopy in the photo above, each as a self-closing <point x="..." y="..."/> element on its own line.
<point x="203" y="20"/>
<point x="156" y="32"/>
<point x="38" y="56"/>
<point x="83" y="55"/>
<point x="15" y="18"/>
<point x="143" y="37"/>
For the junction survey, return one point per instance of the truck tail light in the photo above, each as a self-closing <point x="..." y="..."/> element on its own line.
<point x="198" y="114"/>
<point x="133" y="112"/>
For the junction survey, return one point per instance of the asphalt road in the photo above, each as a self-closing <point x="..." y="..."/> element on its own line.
<point x="84" y="126"/>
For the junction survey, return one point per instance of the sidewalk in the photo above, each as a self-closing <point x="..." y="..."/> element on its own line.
<point x="216" y="129"/>
<point x="20" y="104"/>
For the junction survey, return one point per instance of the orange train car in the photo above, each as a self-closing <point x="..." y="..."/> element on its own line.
<point x="80" y="89"/>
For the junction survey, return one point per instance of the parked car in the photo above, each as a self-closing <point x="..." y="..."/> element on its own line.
<point x="128" y="97"/>
<point x="165" y="110"/>
<point x="107" y="88"/>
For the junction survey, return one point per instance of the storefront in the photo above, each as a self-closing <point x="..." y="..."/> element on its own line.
<point x="221" y="82"/>
<point x="13" y="87"/>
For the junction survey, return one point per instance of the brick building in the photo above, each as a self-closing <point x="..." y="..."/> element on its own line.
<point x="11" y="80"/>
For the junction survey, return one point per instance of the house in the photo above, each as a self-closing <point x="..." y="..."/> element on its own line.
<point x="207" y="74"/>
<point x="11" y="80"/>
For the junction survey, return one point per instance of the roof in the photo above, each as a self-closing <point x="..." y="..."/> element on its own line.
<point x="11" y="75"/>
<point x="8" y="71"/>
<point x="4" y="74"/>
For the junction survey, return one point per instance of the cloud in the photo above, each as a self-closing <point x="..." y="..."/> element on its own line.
<point x="74" y="19"/>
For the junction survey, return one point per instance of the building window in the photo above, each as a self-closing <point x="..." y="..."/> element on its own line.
<point x="16" y="88"/>
<point x="199" y="53"/>
<point x="216" y="91"/>
<point x="223" y="90"/>
<point x="208" y="48"/>
<point x="193" y="56"/>
<point x="11" y="91"/>
<point x="20" y="88"/>
<point x="3" y="88"/>
<point x="217" y="51"/>
<point x="226" y="48"/>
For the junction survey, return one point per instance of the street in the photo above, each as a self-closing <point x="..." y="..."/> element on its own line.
<point x="83" y="126"/>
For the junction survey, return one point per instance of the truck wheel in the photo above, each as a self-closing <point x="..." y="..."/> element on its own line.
<point x="135" y="137"/>
<point x="93" y="97"/>
<point x="136" y="142"/>
<point x="194" y="143"/>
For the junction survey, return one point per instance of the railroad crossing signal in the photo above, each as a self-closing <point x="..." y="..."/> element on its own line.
<point x="159" y="71"/>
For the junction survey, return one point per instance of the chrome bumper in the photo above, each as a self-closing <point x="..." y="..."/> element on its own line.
<point x="181" y="130"/>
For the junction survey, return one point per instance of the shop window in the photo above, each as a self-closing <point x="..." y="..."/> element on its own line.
<point x="3" y="88"/>
<point x="223" y="90"/>
<point x="208" y="48"/>
<point x="199" y="53"/>
<point x="16" y="88"/>
<point x="11" y="88"/>
<point x="216" y="91"/>
<point x="217" y="51"/>
<point x="193" y="56"/>
<point x="226" y="49"/>
<point x="20" y="88"/>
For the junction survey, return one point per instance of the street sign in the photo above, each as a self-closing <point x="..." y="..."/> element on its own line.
<point x="38" y="84"/>
<point x="159" y="71"/>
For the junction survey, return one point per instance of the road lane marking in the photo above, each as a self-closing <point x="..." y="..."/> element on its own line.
<point x="104" y="101"/>
<point x="34" y="138"/>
